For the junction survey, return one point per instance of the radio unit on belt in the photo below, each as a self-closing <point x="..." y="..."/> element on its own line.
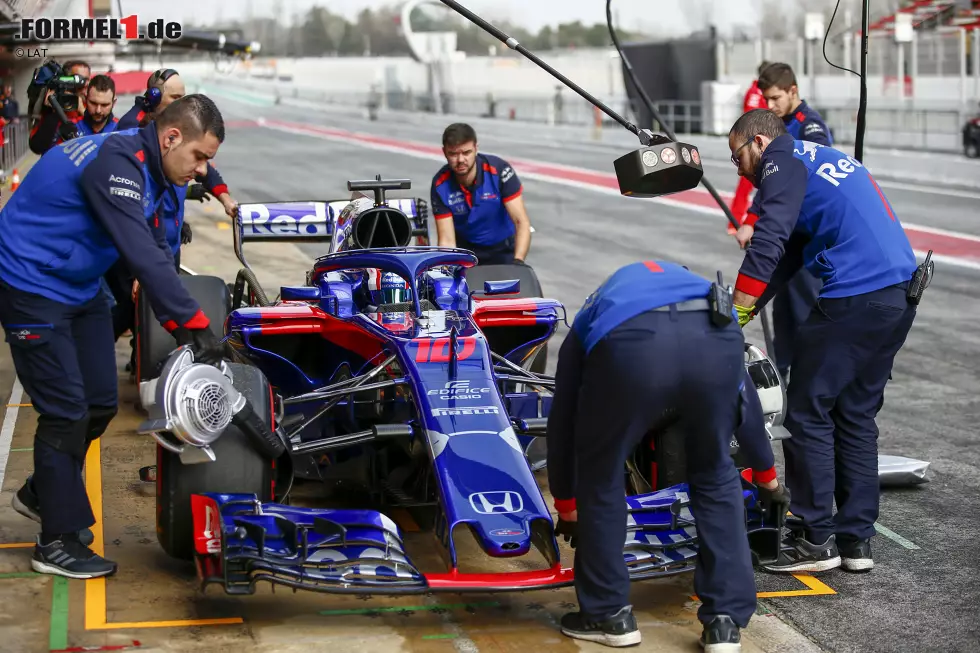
<point x="721" y="303"/>
<point x="920" y="280"/>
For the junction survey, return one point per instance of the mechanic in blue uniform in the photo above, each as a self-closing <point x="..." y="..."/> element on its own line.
<point x="163" y="87"/>
<point x="791" y="307"/>
<point x="477" y="203"/>
<point x="83" y="205"/>
<point x="100" y="100"/>
<point x="820" y="208"/>
<point x="653" y="315"/>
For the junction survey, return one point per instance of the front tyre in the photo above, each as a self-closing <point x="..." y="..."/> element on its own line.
<point x="238" y="468"/>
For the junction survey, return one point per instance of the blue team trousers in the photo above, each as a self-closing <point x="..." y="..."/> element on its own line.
<point x="843" y="359"/>
<point x="64" y="357"/>
<point x="605" y="403"/>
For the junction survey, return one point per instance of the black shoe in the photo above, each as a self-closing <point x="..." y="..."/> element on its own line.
<point x="721" y="635"/>
<point x="856" y="556"/>
<point x="618" y="630"/>
<point x="799" y="554"/>
<point x="26" y="503"/>
<point x="71" y="559"/>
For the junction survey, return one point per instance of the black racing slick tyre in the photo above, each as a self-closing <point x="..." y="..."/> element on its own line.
<point x="154" y="343"/>
<point x="530" y="287"/>
<point x="238" y="467"/>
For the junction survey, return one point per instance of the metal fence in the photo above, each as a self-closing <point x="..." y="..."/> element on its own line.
<point x="947" y="51"/>
<point x="15" y="146"/>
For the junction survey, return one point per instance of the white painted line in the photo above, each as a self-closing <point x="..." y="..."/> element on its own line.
<point x="943" y="232"/>
<point x="9" y="421"/>
<point x="895" y="537"/>
<point x="934" y="190"/>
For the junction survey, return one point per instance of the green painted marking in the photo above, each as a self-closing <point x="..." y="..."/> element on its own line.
<point x="58" y="633"/>
<point x="446" y="636"/>
<point x="895" y="537"/>
<point x="20" y="574"/>
<point x="27" y="449"/>
<point x="411" y="608"/>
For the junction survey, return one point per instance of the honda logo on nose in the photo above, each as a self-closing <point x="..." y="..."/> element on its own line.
<point x="488" y="503"/>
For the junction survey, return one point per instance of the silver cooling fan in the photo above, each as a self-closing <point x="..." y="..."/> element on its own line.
<point x="189" y="406"/>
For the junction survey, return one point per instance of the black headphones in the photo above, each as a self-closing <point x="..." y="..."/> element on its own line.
<point x="153" y="95"/>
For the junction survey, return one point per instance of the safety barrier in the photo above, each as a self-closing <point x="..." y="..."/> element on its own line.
<point x="15" y="145"/>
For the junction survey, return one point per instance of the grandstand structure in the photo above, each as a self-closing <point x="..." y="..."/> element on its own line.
<point x="931" y="15"/>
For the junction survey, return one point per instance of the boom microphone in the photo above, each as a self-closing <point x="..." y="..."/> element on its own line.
<point x="661" y="167"/>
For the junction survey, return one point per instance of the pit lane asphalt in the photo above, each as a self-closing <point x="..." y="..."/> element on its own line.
<point x="920" y="599"/>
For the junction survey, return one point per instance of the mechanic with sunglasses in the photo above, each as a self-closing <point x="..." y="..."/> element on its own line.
<point x="821" y="209"/>
<point x="477" y="203"/>
<point x="655" y="315"/>
<point x="790" y="308"/>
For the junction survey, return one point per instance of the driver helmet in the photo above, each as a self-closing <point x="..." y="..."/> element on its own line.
<point x="394" y="289"/>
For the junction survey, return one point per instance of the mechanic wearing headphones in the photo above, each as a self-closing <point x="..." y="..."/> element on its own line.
<point x="847" y="234"/>
<point x="80" y="207"/>
<point x="655" y="315"/>
<point x="791" y="307"/>
<point x="477" y="203"/>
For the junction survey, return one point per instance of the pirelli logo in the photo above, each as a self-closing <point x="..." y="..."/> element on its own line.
<point x="125" y="192"/>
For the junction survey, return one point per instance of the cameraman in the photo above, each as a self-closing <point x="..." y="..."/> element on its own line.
<point x="50" y="129"/>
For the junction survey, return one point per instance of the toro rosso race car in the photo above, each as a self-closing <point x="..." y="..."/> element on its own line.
<point x="387" y="368"/>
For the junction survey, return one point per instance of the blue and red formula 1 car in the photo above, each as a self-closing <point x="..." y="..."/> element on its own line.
<point x="386" y="370"/>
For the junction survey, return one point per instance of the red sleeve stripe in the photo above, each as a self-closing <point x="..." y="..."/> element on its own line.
<point x="220" y="189"/>
<point x="441" y="179"/>
<point x="443" y="216"/>
<point x="514" y="195"/>
<point x="800" y="116"/>
<point x="764" y="477"/>
<point x="750" y="286"/>
<point x="199" y="321"/>
<point x="750" y="219"/>
<point x="170" y="325"/>
<point x="489" y="168"/>
<point x="564" y="506"/>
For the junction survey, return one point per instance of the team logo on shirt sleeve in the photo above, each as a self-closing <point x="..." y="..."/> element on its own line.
<point x="812" y="128"/>
<point x="125" y="187"/>
<point x="506" y="174"/>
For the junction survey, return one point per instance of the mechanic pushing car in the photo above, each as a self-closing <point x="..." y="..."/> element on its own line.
<point x="654" y="315"/>
<point x="791" y="307"/>
<point x="477" y="203"/>
<point x="822" y="209"/>
<point x="81" y="206"/>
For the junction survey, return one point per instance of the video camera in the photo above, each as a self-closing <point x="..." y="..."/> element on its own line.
<point x="51" y="76"/>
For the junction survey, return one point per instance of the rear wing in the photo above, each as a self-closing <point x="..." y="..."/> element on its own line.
<point x="306" y="221"/>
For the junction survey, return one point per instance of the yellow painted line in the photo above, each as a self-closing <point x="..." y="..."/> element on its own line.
<point x="95" y="593"/>
<point x="223" y="226"/>
<point x="18" y="545"/>
<point x="19" y="405"/>
<point x="815" y="587"/>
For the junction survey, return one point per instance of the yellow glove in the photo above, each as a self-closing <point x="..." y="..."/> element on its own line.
<point x="744" y="314"/>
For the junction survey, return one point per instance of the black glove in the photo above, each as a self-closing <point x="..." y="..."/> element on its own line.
<point x="775" y="503"/>
<point x="206" y="347"/>
<point x="569" y="529"/>
<point x="185" y="233"/>
<point x="197" y="192"/>
<point x="67" y="131"/>
<point x="518" y="261"/>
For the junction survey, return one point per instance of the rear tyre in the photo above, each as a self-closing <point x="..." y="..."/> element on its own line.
<point x="154" y="343"/>
<point x="530" y="287"/>
<point x="238" y="468"/>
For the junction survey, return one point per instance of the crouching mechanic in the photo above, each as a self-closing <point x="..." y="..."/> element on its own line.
<point x="477" y="203"/>
<point x="821" y="209"/>
<point x="83" y="205"/>
<point x="653" y="315"/>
